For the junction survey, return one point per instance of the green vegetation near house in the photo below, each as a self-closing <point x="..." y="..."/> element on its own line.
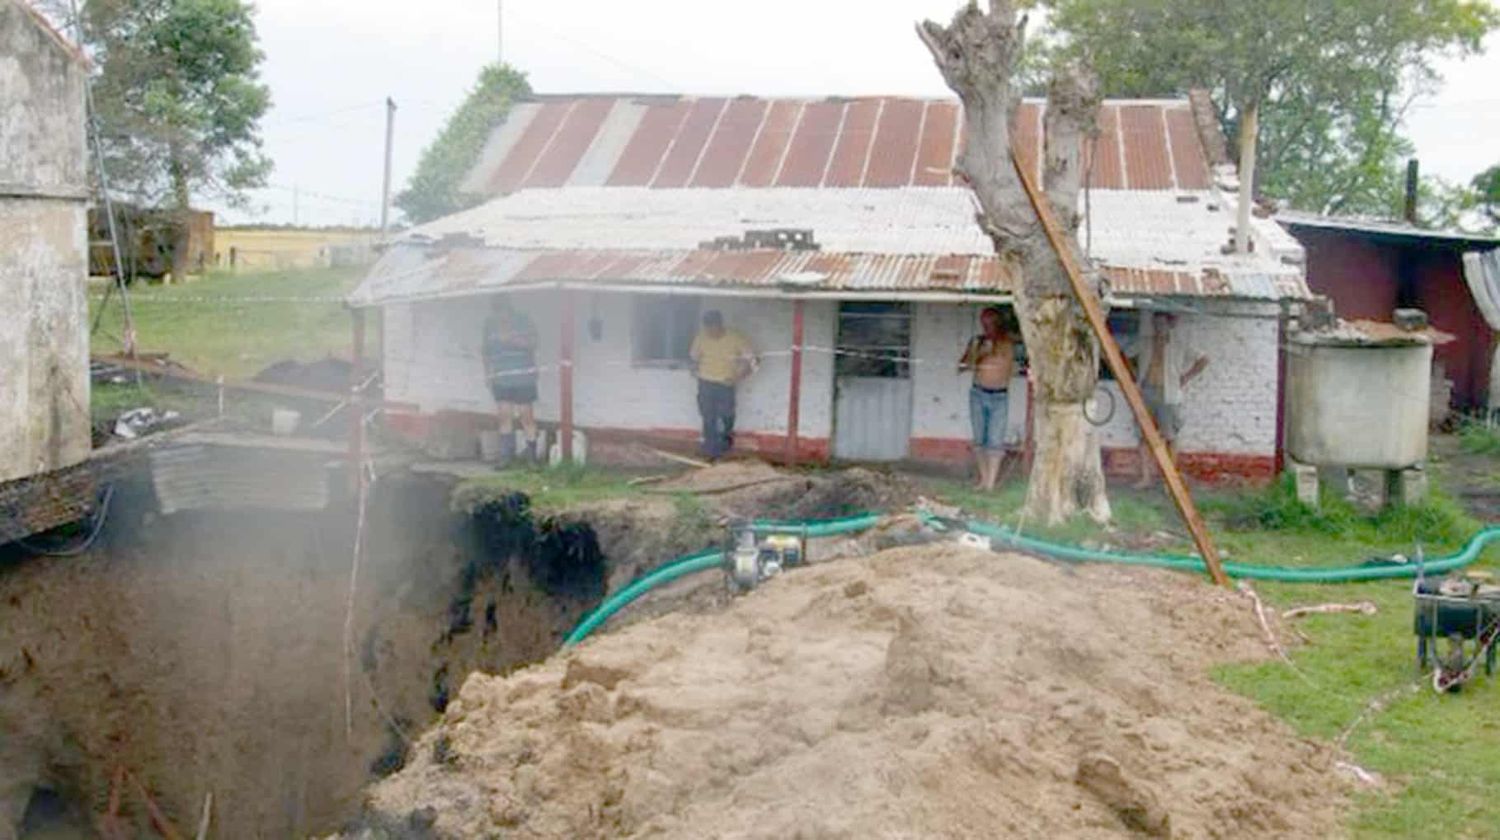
<point x="235" y="324"/>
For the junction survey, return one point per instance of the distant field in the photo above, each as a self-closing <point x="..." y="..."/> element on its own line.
<point x="236" y="324"/>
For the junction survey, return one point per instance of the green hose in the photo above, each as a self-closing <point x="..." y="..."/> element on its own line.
<point x="700" y="562"/>
<point x="713" y="559"/>
<point x="1188" y="563"/>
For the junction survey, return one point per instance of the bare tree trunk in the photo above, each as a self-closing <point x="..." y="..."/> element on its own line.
<point x="1249" y="130"/>
<point x="977" y="56"/>
<point x="182" y="222"/>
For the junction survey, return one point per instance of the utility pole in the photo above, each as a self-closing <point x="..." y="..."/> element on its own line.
<point x="499" y="31"/>
<point x="296" y="219"/>
<point x="385" y="186"/>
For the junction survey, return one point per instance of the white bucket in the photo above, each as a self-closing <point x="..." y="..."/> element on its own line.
<point x="489" y="446"/>
<point x="580" y="449"/>
<point x="284" y="421"/>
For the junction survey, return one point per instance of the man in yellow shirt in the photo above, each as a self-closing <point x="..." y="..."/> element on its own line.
<point x="722" y="357"/>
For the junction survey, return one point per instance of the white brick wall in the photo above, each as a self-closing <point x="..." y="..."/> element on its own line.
<point x="432" y="359"/>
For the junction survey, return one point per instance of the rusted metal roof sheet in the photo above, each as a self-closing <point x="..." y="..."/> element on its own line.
<point x="426" y="273"/>
<point x="882" y="142"/>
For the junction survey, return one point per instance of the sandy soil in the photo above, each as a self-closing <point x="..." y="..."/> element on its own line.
<point x="920" y="692"/>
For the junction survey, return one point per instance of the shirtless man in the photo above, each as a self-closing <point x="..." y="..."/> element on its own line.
<point x="991" y="355"/>
<point x="1165" y="364"/>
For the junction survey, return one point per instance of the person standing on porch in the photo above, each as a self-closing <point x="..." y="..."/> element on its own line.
<point x="723" y="357"/>
<point x="1164" y="363"/>
<point x="509" y="350"/>
<point x="991" y="355"/>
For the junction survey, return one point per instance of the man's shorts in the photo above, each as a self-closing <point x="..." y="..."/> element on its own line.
<point x="988" y="411"/>
<point x="513" y="390"/>
<point x="1167" y="416"/>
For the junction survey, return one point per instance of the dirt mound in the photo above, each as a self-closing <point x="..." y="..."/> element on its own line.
<point x="932" y="691"/>
<point x="754" y="488"/>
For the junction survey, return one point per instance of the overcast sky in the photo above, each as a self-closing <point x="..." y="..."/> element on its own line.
<point x="331" y="63"/>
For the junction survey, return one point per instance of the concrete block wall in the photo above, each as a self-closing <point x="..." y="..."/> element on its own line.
<point x="44" y="362"/>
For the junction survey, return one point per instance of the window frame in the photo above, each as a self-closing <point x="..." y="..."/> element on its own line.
<point x="681" y="317"/>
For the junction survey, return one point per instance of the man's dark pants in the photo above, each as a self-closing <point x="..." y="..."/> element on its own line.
<point x="716" y="404"/>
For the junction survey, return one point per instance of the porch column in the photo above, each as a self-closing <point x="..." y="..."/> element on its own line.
<point x="565" y="376"/>
<point x="794" y="405"/>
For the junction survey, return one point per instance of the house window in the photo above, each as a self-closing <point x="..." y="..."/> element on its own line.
<point x="1125" y="326"/>
<point x="663" y="327"/>
<point x="874" y="340"/>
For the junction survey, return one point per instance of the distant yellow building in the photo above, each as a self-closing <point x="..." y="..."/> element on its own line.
<point x="275" y="249"/>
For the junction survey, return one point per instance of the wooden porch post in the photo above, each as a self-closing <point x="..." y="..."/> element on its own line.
<point x="794" y="405"/>
<point x="565" y="376"/>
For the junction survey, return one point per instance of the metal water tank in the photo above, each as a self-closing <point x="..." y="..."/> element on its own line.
<point x="1358" y="401"/>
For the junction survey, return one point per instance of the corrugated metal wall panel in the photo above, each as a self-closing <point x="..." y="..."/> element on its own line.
<point x="202" y="477"/>
<point x="872" y="417"/>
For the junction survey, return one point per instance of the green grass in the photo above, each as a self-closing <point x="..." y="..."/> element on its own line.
<point x="1478" y="439"/>
<point x="235" y="324"/>
<point x="550" y="488"/>
<point x="1135" y="513"/>
<point x="1437" y="753"/>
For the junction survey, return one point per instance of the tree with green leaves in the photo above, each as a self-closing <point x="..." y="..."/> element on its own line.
<point x="1486" y="186"/>
<point x="1315" y="90"/>
<point x="178" y="97"/>
<point x="435" y="188"/>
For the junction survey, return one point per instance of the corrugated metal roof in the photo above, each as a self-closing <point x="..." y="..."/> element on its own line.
<point x="1149" y="230"/>
<point x="416" y="273"/>
<point x="1385" y="227"/>
<point x="666" y="142"/>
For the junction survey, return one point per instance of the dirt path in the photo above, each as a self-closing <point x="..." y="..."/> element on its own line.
<point x="931" y="691"/>
<point x="1473" y="479"/>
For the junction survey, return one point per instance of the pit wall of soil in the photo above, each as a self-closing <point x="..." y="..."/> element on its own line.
<point x="203" y="651"/>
